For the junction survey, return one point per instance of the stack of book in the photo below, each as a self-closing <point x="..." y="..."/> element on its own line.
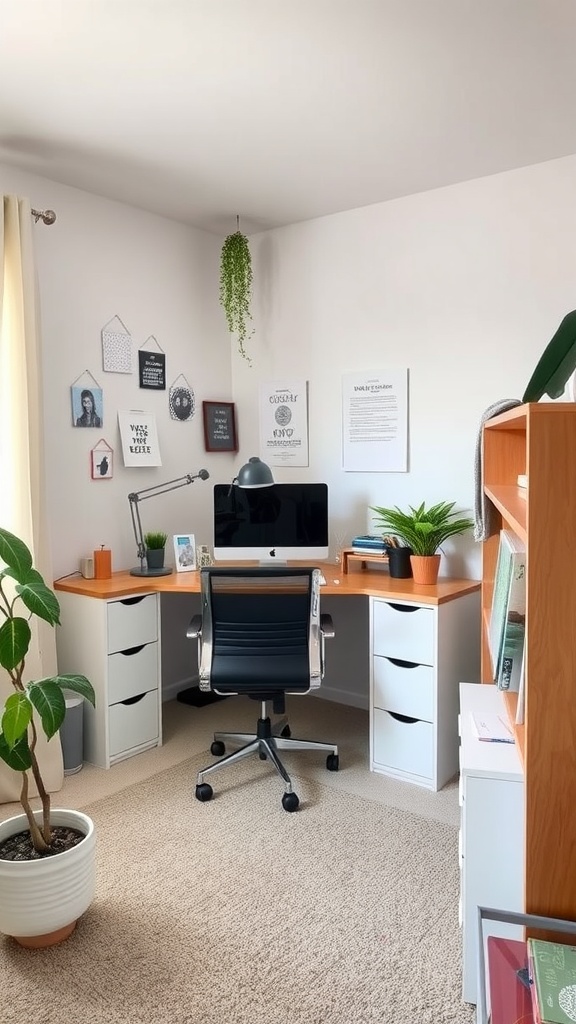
<point x="369" y="544"/>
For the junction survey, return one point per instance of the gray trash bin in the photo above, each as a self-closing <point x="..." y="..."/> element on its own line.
<point x="72" y="734"/>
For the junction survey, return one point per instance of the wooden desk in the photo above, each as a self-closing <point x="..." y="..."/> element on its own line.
<point x="111" y="632"/>
<point x="371" y="583"/>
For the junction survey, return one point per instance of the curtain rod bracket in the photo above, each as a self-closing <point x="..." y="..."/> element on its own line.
<point x="47" y="216"/>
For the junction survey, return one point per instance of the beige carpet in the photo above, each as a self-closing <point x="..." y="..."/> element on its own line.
<point x="235" y="911"/>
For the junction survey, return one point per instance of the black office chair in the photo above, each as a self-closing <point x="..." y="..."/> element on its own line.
<point x="261" y="633"/>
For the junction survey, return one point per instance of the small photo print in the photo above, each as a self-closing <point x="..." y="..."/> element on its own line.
<point x="102" y="463"/>
<point x="185" y="552"/>
<point x="86" y="407"/>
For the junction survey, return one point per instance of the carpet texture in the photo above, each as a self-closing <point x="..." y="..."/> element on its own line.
<point x="235" y="911"/>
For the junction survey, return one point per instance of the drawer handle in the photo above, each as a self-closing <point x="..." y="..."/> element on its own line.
<point x="402" y="664"/>
<point x="132" y="650"/>
<point x="403" y="718"/>
<point x="403" y="607"/>
<point x="133" y="700"/>
<point x="133" y="600"/>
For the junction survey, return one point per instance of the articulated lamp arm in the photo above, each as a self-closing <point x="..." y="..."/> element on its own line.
<point x="135" y="497"/>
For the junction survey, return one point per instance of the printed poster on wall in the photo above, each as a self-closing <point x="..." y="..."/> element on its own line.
<point x="284" y="423"/>
<point x="375" y="421"/>
<point x="139" y="438"/>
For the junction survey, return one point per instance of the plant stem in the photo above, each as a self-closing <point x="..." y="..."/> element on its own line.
<point x="37" y="838"/>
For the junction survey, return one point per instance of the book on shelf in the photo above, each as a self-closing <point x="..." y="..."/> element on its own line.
<point x="552" y="970"/>
<point x="492" y="727"/>
<point x="510" y="666"/>
<point x="370" y="552"/>
<point x="508" y="602"/>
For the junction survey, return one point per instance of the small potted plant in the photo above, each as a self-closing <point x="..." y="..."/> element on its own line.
<point x="39" y="850"/>
<point x="423" y="530"/>
<point x="155" y="545"/>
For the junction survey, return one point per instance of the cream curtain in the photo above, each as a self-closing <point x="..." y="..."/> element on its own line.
<point x="22" y="499"/>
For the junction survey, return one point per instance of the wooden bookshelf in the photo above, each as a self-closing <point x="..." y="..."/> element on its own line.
<point x="539" y="439"/>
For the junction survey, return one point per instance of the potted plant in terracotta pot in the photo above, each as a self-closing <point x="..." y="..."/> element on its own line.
<point x="47" y="871"/>
<point x="155" y="549"/>
<point x="424" y="530"/>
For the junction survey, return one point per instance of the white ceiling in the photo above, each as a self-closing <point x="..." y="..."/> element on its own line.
<point x="282" y="110"/>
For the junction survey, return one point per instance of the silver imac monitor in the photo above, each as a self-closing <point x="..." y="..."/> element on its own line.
<point x="271" y="525"/>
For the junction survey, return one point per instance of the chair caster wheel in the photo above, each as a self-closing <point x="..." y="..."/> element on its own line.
<point x="204" y="792"/>
<point x="332" y="762"/>
<point x="262" y="756"/>
<point x="290" y="802"/>
<point x="286" y="732"/>
<point x="217" y="748"/>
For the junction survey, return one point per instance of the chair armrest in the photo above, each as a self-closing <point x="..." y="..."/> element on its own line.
<point x="195" y="628"/>
<point x="326" y="625"/>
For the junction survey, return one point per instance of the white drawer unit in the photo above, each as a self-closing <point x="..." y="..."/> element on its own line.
<point x="116" y="644"/>
<point x="419" y="652"/>
<point x="491" y="829"/>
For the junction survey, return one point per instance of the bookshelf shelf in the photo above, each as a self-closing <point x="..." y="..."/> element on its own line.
<point x="539" y="440"/>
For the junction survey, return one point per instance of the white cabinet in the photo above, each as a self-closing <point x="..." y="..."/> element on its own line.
<point x="116" y="644"/>
<point x="419" y="652"/>
<point x="492" y="828"/>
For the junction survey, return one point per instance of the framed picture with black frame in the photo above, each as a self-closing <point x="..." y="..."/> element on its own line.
<point x="219" y="427"/>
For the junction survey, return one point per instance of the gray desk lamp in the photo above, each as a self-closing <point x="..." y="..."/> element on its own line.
<point x="254" y="473"/>
<point x="151" y="492"/>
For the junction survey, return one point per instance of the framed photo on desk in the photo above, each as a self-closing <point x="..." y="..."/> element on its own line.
<point x="185" y="552"/>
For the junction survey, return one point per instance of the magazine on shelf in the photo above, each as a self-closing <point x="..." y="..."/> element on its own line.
<point x="510" y="666"/>
<point x="511" y="558"/>
<point x="492" y="727"/>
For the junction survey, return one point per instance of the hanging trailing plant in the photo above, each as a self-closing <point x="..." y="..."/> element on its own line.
<point x="236" y="286"/>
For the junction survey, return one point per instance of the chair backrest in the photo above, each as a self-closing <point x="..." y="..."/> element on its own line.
<point x="261" y="631"/>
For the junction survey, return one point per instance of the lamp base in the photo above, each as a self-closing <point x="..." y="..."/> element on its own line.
<point x="164" y="571"/>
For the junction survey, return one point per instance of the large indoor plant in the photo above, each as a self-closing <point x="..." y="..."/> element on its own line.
<point x="424" y="530"/>
<point x="41" y="846"/>
<point x="236" y="285"/>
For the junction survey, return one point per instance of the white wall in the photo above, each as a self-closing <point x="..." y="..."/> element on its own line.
<point x="463" y="285"/>
<point x="100" y="259"/>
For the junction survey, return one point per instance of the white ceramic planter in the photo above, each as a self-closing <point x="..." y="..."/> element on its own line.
<point x="38" y="897"/>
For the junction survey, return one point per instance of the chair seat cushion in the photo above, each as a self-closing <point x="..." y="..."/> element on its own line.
<point x="272" y="673"/>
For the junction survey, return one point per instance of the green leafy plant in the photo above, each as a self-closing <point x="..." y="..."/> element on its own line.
<point x="156" y="540"/>
<point x="422" y="529"/>
<point x="236" y="286"/>
<point x="23" y="589"/>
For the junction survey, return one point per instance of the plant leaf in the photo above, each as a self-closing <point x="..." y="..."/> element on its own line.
<point x="78" y="684"/>
<point x="38" y="598"/>
<point x="16" y="717"/>
<point x="14" y="642"/>
<point x="48" y="699"/>
<point x="556" y="364"/>
<point x="18" y="757"/>
<point x="14" y="553"/>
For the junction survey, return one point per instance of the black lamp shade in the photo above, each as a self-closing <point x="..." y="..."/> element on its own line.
<point x="254" y="473"/>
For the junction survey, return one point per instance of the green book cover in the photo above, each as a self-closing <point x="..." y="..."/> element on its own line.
<point x="554" y="975"/>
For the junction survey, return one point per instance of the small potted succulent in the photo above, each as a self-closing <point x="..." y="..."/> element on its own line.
<point x="155" y="547"/>
<point x="423" y="530"/>
<point x="39" y="849"/>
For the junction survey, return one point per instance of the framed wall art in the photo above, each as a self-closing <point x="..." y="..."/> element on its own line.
<point x="219" y="427"/>
<point x="102" y="461"/>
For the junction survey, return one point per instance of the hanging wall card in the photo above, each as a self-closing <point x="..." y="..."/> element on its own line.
<point x="182" y="400"/>
<point x="139" y="438"/>
<point x="375" y="421"/>
<point x="151" y="366"/>
<point x="116" y="347"/>
<point x="87" y="401"/>
<point x="102" y="461"/>
<point x="284" y="423"/>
